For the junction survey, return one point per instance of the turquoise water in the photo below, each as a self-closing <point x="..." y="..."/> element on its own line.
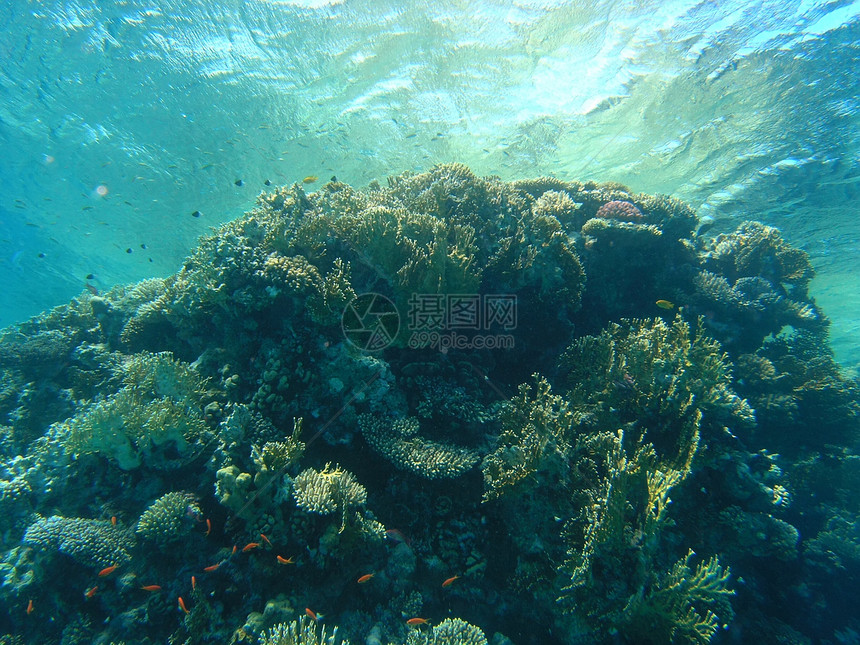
<point x="474" y="301"/>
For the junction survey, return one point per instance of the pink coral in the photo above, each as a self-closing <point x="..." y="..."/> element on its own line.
<point x="624" y="211"/>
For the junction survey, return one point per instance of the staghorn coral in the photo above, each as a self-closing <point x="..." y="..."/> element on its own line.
<point x="399" y="442"/>
<point x="451" y="631"/>
<point x="302" y="631"/>
<point x="92" y="543"/>
<point x="169" y="519"/>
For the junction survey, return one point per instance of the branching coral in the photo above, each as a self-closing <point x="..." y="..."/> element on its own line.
<point x="155" y="418"/>
<point x="758" y="250"/>
<point x="660" y="376"/>
<point x="399" y="442"/>
<point x="169" y="518"/>
<point x="451" y="631"/>
<point x="677" y="609"/>
<point x="302" y="631"/>
<point x="328" y="490"/>
<point x="536" y="433"/>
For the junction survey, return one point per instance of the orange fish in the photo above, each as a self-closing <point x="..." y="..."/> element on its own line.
<point x="151" y="588"/>
<point x="665" y="304"/>
<point x="450" y="581"/>
<point x="193" y="583"/>
<point x="113" y="520"/>
<point x="208" y="526"/>
<point x="211" y="567"/>
<point x="30" y="607"/>
<point x="267" y="540"/>
<point x="107" y="570"/>
<point x="182" y="605"/>
<point x="365" y="578"/>
<point x="89" y="593"/>
<point x="234" y="549"/>
<point x="309" y="179"/>
<point x="414" y="622"/>
<point x="283" y="560"/>
<point x="250" y="546"/>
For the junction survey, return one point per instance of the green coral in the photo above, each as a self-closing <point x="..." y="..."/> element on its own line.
<point x="169" y="518"/>
<point x="657" y="374"/>
<point x="92" y="543"/>
<point x="677" y="608"/>
<point x="536" y="434"/>
<point x="156" y="414"/>
<point x="302" y="631"/>
<point x="399" y="442"/>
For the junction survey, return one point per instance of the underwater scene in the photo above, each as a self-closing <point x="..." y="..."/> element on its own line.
<point x="303" y="344"/>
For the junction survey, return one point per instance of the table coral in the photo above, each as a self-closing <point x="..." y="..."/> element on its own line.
<point x="399" y="442"/>
<point x="92" y="543"/>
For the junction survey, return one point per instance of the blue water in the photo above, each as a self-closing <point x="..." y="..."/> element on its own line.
<point x="129" y="129"/>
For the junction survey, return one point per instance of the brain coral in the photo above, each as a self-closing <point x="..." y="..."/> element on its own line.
<point x="616" y="209"/>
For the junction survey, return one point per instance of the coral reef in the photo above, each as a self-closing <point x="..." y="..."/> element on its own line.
<point x="221" y="437"/>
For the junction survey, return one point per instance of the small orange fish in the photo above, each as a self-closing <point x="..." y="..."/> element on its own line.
<point x="208" y="526"/>
<point x="211" y="567"/>
<point x="234" y="549"/>
<point x="107" y="570"/>
<point x="30" y="607"/>
<point x="311" y="614"/>
<point x="450" y="581"/>
<point x="665" y="304"/>
<point x="151" y="588"/>
<point x="89" y="593"/>
<point x="267" y="540"/>
<point x="250" y="546"/>
<point x="309" y="179"/>
<point x="182" y="605"/>
<point x="193" y="583"/>
<point x="113" y="520"/>
<point x="283" y="560"/>
<point x="365" y="578"/>
<point x="414" y="622"/>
